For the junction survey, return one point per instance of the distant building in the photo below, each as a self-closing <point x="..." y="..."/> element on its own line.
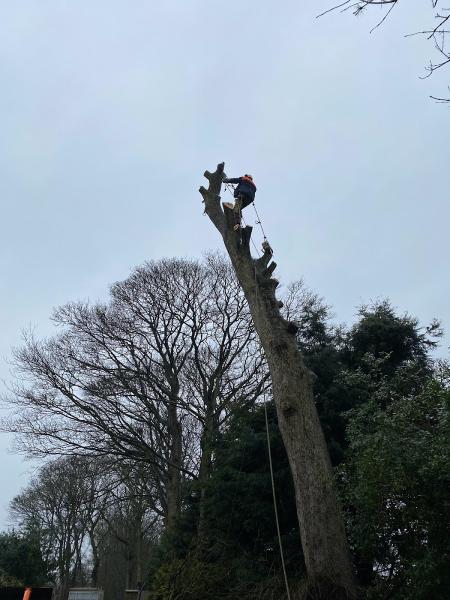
<point x="85" y="594"/>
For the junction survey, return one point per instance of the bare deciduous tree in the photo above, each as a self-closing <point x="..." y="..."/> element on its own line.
<point x="139" y="378"/>
<point x="226" y="368"/>
<point x="127" y="528"/>
<point x="60" y="505"/>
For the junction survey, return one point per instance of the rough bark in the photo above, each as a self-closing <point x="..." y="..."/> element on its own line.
<point x="321" y="524"/>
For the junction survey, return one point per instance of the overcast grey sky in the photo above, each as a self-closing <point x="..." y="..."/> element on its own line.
<point x="110" y="112"/>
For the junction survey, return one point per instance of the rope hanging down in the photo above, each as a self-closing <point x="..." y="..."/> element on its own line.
<point x="277" y="521"/>
<point x="259" y="221"/>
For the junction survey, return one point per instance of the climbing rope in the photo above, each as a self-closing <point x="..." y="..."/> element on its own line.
<point x="251" y="239"/>
<point x="258" y="221"/>
<point x="230" y="188"/>
<point x="277" y="521"/>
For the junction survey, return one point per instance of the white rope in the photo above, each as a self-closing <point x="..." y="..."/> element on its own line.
<point x="275" y="501"/>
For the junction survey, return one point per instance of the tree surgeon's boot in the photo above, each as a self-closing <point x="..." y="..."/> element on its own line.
<point x="229" y="205"/>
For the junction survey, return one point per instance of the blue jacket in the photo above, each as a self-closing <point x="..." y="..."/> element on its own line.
<point x="244" y="187"/>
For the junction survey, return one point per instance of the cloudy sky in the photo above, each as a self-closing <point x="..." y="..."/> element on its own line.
<point x="110" y="111"/>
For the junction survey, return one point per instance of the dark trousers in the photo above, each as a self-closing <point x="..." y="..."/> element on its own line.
<point x="244" y="200"/>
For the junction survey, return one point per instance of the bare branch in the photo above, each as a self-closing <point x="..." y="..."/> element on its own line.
<point x="437" y="33"/>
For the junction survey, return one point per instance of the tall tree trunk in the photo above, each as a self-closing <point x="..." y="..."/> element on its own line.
<point x="95" y="558"/>
<point x="130" y="568"/>
<point x="139" y="557"/>
<point x="173" y="488"/>
<point x="64" y="569"/>
<point x="207" y="441"/>
<point x="322" y="530"/>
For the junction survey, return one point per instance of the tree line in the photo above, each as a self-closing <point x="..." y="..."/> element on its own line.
<point x="147" y="413"/>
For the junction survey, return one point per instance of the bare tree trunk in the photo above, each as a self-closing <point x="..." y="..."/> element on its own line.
<point x="139" y="557"/>
<point x="173" y="489"/>
<point x="95" y="559"/>
<point x="207" y="441"/>
<point x="64" y="568"/>
<point x="322" y="530"/>
<point x="130" y="569"/>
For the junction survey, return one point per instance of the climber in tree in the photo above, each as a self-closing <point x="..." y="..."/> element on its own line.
<point x="244" y="192"/>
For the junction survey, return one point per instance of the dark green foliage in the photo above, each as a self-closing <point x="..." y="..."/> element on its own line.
<point x="239" y="503"/>
<point x="350" y="366"/>
<point x="384" y="335"/>
<point x="396" y="486"/>
<point x="384" y="410"/>
<point x="21" y="558"/>
<point x="242" y="542"/>
<point x="190" y="579"/>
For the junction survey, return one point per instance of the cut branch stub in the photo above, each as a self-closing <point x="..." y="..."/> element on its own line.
<point x="211" y="197"/>
<point x="215" y="179"/>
